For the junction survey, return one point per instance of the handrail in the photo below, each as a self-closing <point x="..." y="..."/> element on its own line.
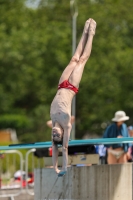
<point x="21" y="168"/>
<point x="26" y="169"/>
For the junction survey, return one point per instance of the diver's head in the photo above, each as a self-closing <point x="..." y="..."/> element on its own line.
<point x="57" y="134"/>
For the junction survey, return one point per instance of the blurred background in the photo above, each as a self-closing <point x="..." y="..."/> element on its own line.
<point x="35" y="47"/>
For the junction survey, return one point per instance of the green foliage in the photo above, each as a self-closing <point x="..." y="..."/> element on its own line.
<point x="106" y="83"/>
<point x="36" y="47"/>
<point x="14" y="121"/>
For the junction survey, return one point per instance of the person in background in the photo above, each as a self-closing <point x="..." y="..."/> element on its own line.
<point x="130" y="149"/>
<point x="117" y="153"/>
<point x="2" y="153"/>
<point x="130" y="130"/>
<point x="101" y="150"/>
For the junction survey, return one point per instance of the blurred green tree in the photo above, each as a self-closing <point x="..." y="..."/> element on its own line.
<point x="36" y="47"/>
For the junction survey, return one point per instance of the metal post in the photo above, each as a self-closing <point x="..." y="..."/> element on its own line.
<point x="74" y="12"/>
<point x="26" y="169"/>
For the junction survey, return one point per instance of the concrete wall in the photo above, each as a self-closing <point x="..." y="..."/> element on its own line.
<point x="22" y="196"/>
<point x="97" y="182"/>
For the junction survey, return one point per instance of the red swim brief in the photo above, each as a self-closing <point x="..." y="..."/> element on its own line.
<point x="67" y="85"/>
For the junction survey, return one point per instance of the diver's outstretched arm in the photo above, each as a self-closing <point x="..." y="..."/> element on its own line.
<point x="66" y="136"/>
<point x="55" y="157"/>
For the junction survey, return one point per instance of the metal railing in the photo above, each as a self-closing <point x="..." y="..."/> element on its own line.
<point x="26" y="168"/>
<point x="14" y="161"/>
<point x="6" y="172"/>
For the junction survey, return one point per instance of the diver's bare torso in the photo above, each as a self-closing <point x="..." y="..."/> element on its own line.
<point x="61" y="107"/>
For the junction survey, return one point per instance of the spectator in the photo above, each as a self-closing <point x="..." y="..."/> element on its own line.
<point x="101" y="150"/>
<point x="117" y="153"/>
<point x="2" y="154"/>
<point x="130" y="130"/>
<point x="130" y="150"/>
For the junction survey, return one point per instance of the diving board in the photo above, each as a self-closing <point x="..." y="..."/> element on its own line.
<point x="48" y="144"/>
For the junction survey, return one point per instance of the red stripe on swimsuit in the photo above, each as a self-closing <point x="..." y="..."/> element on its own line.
<point x="67" y="85"/>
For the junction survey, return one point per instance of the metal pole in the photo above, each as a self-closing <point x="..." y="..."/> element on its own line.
<point x="26" y="169"/>
<point x="74" y="12"/>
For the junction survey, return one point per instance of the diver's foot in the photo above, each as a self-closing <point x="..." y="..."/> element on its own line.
<point x="62" y="173"/>
<point x="92" y="27"/>
<point x="57" y="171"/>
<point x="87" y="24"/>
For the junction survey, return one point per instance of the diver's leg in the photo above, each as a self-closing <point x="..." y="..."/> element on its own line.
<point x="76" y="75"/>
<point x="80" y="48"/>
